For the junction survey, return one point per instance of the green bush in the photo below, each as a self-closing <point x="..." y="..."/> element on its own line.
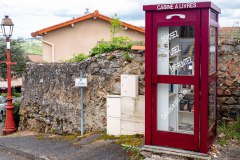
<point x="118" y="43"/>
<point x="14" y="93"/>
<point x="4" y="94"/>
<point x="121" y="40"/>
<point x="78" y="58"/>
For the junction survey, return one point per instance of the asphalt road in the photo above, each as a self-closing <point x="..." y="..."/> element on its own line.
<point x="6" y="155"/>
<point x="32" y="147"/>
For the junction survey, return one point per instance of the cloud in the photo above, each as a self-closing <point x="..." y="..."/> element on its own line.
<point x="31" y="15"/>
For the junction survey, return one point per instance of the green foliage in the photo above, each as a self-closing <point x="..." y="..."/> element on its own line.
<point x="126" y="56"/>
<point x="130" y="143"/>
<point x="119" y="43"/>
<point x="32" y="46"/>
<point x="78" y="58"/>
<point x="14" y="93"/>
<point x="229" y="131"/>
<point x="135" y="151"/>
<point x="17" y="55"/>
<point x="121" y="40"/>
<point x="115" y="26"/>
<point x="4" y="94"/>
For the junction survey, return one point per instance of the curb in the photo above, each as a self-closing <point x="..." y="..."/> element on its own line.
<point x="21" y="153"/>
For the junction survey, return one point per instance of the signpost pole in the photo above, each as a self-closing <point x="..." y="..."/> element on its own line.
<point x="82" y="108"/>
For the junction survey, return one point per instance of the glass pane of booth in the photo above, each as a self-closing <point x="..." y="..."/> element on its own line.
<point x="175" y="50"/>
<point x="212" y="103"/>
<point x="212" y="50"/>
<point x="175" y="108"/>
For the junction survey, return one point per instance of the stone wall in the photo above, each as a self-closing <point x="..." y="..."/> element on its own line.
<point x="229" y="79"/>
<point x="51" y="103"/>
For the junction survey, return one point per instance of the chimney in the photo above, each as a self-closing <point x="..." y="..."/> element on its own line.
<point x="87" y="11"/>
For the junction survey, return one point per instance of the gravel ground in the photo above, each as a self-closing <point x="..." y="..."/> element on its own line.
<point x="231" y="152"/>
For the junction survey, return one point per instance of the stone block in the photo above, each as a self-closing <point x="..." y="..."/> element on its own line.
<point x="220" y="92"/>
<point x="236" y="92"/>
<point x="237" y="48"/>
<point x="227" y="92"/>
<point x="227" y="48"/>
<point x="228" y="82"/>
<point x="231" y="100"/>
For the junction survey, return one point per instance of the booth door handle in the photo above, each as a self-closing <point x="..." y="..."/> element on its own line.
<point x="182" y="16"/>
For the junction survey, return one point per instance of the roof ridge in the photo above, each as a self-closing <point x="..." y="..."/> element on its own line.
<point x="94" y="15"/>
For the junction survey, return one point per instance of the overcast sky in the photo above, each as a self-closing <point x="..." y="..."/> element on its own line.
<point x="32" y="15"/>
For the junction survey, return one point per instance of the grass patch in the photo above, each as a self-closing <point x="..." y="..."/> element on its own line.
<point x="40" y="137"/>
<point x="130" y="143"/>
<point x="229" y="131"/>
<point x="71" y="137"/>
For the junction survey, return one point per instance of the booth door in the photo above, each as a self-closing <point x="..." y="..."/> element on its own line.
<point x="175" y="81"/>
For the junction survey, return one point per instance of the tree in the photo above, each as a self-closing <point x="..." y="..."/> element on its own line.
<point x="115" y="26"/>
<point x="17" y="55"/>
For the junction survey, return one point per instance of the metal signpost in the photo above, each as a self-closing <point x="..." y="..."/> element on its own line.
<point x="81" y="82"/>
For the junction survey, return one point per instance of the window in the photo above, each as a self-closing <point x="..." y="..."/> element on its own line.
<point x="175" y="50"/>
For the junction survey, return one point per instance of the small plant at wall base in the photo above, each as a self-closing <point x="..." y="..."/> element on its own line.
<point x="130" y="143"/>
<point x="228" y="131"/>
<point x="78" y="58"/>
<point x="135" y="151"/>
<point x="126" y="56"/>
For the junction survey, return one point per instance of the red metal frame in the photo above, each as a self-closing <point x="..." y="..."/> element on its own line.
<point x="148" y="79"/>
<point x="213" y="78"/>
<point x="9" y="123"/>
<point x="203" y="135"/>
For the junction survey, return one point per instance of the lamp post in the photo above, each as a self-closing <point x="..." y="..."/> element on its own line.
<point x="7" y="28"/>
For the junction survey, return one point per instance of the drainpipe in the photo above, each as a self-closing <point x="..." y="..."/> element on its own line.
<point x="50" y="44"/>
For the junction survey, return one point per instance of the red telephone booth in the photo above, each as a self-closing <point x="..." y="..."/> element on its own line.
<point x="181" y="75"/>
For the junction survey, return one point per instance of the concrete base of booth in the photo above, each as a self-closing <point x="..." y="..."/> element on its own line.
<point x="163" y="153"/>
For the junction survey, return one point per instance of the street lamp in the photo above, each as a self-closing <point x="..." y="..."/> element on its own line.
<point x="7" y="28"/>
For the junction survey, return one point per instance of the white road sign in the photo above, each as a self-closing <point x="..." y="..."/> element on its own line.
<point x="80" y="82"/>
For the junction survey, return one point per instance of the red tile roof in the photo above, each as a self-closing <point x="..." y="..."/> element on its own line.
<point x="229" y="30"/>
<point x="94" y="15"/>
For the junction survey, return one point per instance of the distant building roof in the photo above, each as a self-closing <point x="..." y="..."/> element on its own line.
<point x="93" y="15"/>
<point x="35" y="58"/>
<point x="229" y="30"/>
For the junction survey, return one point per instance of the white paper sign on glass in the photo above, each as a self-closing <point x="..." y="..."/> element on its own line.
<point x="80" y="82"/>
